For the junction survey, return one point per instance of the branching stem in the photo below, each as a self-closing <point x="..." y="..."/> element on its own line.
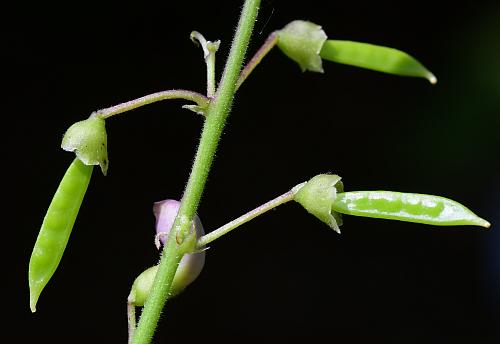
<point x="198" y="98"/>
<point x="270" y="42"/>
<point x="286" y="197"/>
<point x="217" y="113"/>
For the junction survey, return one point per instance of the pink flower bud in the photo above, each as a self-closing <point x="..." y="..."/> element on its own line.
<point x="192" y="263"/>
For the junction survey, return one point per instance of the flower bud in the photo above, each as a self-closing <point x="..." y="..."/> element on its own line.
<point x="302" y="42"/>
<point x="88" y="139"/>
<point x="190" y="265"/>
<point x="141" y="287"/>
<point x="165" y="213"/>
<point x="317" y="197"/>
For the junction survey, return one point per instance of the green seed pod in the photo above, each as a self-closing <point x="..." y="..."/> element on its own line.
<point x="317" y="197"/>
<point x="409" y="207"/>
<point x="375" y="57"/>
<point x="56" y="228"/>
<point x="302" y="42"/>
<point x="88" y="139"/>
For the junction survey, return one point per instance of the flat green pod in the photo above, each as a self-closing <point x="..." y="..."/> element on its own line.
<point x="409" y="207"/>
<point x="56" y="228"/>
<point x="375" y="57"/>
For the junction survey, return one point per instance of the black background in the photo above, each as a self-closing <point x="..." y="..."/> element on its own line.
<point x="285" y="275"/>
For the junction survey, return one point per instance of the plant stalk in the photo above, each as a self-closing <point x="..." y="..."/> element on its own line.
<point x="252" y="214"/>
<point x="198" y="98"/>
<point x="270" y="42"/>
<point x="217" y="114"/>
<point x="131" y="321"/>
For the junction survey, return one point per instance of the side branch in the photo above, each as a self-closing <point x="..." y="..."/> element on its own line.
<point x="215" y="234"/>
<point x="196" y="97"/>
<point x="270" y="42"/>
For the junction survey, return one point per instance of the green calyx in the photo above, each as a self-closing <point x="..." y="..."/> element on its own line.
<point x="302" y="42"/>
<point x="317" y="197"/>
<point x="88" y="139"/>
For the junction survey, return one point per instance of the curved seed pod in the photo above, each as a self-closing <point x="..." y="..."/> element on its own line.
<point x="88" y="139"/>
<point x="409" y="207"/>
<point x="56" y="227"/>
<point x="375" y="57"/>
<point x="302" y="41"/>
<point x="317" y="197"/>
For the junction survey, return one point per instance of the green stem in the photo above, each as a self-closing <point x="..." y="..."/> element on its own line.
<point x="286" y="197"/>
<point x="216" y="117"/>
<point x="131" y="321"/>
<point x="198" y="98"/>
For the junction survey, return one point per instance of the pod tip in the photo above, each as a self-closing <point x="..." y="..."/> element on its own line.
<point x="432" y="79"/>
<point x="33" y="301"/>
<point x="483" y="223"/>
<point x="33" y="307"/>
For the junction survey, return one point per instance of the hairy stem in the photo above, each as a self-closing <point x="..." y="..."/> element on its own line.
<point x="216" y="117"/>
<point x="198" y="98"/>
<point x="131" y="321"/>
<point x="270" y="42"/>
<point x="213" y="235"/>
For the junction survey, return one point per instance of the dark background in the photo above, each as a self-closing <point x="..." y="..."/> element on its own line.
<point x="285" y="275"/>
